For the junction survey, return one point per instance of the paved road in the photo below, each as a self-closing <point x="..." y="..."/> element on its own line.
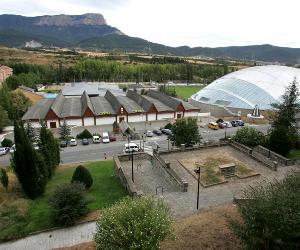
<point x="94" y="152"/>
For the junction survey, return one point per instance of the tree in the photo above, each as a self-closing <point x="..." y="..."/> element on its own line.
<point x="20" y="104"/>
<point x="85" y="134"/>
<point x="4" y="121"/>
<point x="28" y="164"/>
<point x="250" y="137"/>
<point x="139" y="223"/>
<point x="82" y="175"/>
<point x="49" y="149"/>
<point x="30" y="131"/>
<point x="285" y="119"/>
<point x="270" y="215"/>
<point x="6" y="143"/>
<point x="65" y="131"/>
<point x="185" y="131"/>
<point x="280" y="141"/>
<point x="68" y="203"/>
<point x="3" y="178"/>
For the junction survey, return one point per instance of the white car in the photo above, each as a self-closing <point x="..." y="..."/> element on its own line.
<point x="227" y="124"/>
<point x="4" y="151"/>
<point x="149" y="133"/>
<point x="96" y="139"/>
<point x="131" y="147"/>
<point x="73" y="142"/>
<point x="105" y="137"/>
<point x="12" y="149"/>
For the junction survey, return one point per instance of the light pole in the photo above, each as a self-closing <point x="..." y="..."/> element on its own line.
<point x="128" y="138"/>
<point x="132" y="177"/>
<point x="225" y="131"/>
<point x="197" y="171"/>
<point x="168" y="143"/>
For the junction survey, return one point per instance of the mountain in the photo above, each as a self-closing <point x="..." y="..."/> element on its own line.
<point x="91" y="32"/>
<point x="58" y="30"/>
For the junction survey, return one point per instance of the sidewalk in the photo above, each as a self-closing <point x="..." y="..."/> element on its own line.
<point x="53" y="239"/>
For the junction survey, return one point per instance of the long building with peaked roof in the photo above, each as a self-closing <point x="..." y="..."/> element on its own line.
<point x="85" y="110"/>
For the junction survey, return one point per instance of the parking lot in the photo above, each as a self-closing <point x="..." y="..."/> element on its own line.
<point x="100" y="151"/>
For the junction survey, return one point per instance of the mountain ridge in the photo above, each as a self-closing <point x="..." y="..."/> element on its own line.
<point x="91" y="32"/>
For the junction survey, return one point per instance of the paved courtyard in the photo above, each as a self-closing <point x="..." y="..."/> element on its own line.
<point x="148" y="178"/>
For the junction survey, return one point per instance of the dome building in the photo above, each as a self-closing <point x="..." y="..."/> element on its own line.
<point x="241" y="91"/>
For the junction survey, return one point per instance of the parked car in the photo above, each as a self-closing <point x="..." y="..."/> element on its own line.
<point x="105" y="137"/>
<point x="227" y="124"/>
<point x="4" y="151"/>
<point x="85" y="141"/>
<point x="213" y="125"/>
<point x="73" y="142"/>
<point x="157" y="132"/>
<point x="63" y="143"/>
<point x="166" y="131"/>
<point x="96" y="139"/>
<point x="221" y="125"/>
<point x="131" y="147"/>
<point x="112" y="137"/>
<point x="12" y="149"/>
<point x="240" y="123"/>
<point x="149" y="133"/>
<point x="234" y="124"/>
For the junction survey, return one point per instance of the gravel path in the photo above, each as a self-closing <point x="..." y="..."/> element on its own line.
<point x="53" y="239"/>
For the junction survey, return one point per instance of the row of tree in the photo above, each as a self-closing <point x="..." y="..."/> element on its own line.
<point x="99" y="70"/>
<point x="34" y="167"/>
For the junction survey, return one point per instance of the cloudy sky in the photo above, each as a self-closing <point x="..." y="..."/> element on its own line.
<point x="209" y="23"/>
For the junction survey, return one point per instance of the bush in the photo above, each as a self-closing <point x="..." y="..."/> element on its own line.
<point x="139" y="223"/>
<point x="84" y="134"/>
<point x="3" y="178"/>
<point x="169" y="126"/>
<point x="6" y="143"/>
<point x="270" y="213"/>
<point x="68" y="203"/>
<point x="250" y="137"/>
<point x="82" y="175"/>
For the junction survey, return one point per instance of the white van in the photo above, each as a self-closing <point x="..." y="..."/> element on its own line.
<point x="131" y="147"/>
<point x="105" y="137"/>
<point x="96" y="139"/>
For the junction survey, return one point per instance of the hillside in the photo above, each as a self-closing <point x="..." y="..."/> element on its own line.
<point x="91" y="32"/>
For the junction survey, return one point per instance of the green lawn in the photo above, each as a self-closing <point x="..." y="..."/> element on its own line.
<point x="184" y="92"/>
<point x="294" y="154"/>
<point x="105" y="191"/>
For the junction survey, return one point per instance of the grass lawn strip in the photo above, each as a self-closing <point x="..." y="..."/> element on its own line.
<point x="19" y="216"/>
<point x="294" y="154"/>
<point x="185" y="92"/>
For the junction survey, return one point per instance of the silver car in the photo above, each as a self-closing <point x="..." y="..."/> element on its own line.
<point x="149" y="133"/>
<point x="4" y="151"/>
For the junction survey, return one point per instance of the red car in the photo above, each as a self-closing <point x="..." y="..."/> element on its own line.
<point x="112" y="137"/>
<point x="221" y="125"/>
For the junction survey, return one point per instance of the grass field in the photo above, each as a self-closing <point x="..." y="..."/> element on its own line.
<point x="294" y="154"/>
<point x="20" y="216"/>
<point x="184" y="92"/>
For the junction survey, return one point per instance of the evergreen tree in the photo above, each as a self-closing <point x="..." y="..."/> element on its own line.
<point x="30" y="132"/>
<point x="3" y="178"/>
<point x="3" y="118"/>
<point x="28" y="164"/>
<point x="285" y="120"/>
<point x="82" y="175"/>
<point x="65" y="131"/>
<point x="49" y="149"/>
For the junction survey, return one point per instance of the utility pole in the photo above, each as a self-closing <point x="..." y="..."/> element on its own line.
<point x="197" y="171"/>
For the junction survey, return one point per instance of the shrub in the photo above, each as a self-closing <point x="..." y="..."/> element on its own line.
<point x="3" y="178"/>
<point x="250" y="137"/>
<point x="82" y="175"/>
<point x="7" y="143"/>
<point x="68" y="203"/>
<point x="270" y="214"/>
<point x="139" y="223"/>
<point x="84" y="134"/>
<point x="169" y="126"/>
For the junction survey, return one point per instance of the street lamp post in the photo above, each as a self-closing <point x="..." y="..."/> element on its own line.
<point x="168" y="143"/>
<point x="225" y="132"/>
<point x="132" y="177"/>
<point x="128" y="138"/>
<point x="197" y="171"/>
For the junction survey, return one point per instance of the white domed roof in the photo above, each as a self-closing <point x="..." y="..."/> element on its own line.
<point x="260" y="85"/>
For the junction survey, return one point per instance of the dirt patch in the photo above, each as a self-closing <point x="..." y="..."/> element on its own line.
<point x="207" y="229"/>
<point x="91" y="216"/>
